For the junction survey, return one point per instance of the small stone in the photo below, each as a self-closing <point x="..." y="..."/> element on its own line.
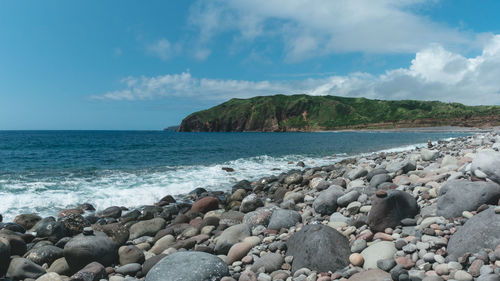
<point x="356" y="259"/>
<point x="88" y="230"/>
<point x="461" y="275"/>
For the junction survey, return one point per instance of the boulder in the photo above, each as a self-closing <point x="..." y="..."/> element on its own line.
<point x="20" y="268"/>
<point x="44" y="254"/>
<point x="149" y="263"/>
<point x="116" y="231"/>
<point x="284" y="219"/>
<point x="110" y="212"/>
<point x="378" y="251"/>
<point x="27" y="220"/>
<point x="260" y="216"/>
<point x="60" y="266"/>
<point x="146" y="228"/>
<point x="428" y="155"/>
<point x="293" y="179"/>
<point x="188" y="266"/>
<point x="250" y="203"/>
<point x="374" y="172"/>
<point x="205" y="204"/>
<point x="480" y="231"/>
<point x="4" y="255"/>
<point x="318" y="184"/>
<point x="404" y="165"/>
<point x="238" y="251"/>
<point x="489" y="164"/>
<point x="270" y="262"/>
<point x="84" y="249"/>
<point x="130" y="254"/>
<point x="456" y="196"/>
<point x="371" y="275"/>
<point x="74" y="223"/>
<point x="162" y="244"/>
<point x="318" y="247"/>
<point x="49" y="228"/>
<point x="51" y="276"/>
<point x="231" y="218"/>
<point x="389" y="208"/>
<point x="326" y="202"/>
<point x="357" y="173"/>
<point x="231" y="236"/>
<point x="378" y="179"/>
<point x="93" y="271"/>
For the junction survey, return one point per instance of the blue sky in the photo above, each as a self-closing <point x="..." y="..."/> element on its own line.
<point x="146" y="65"/>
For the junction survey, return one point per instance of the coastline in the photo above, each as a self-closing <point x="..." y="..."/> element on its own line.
<point x="249" y="230"/>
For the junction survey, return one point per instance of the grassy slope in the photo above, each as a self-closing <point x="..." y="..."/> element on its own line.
<point x="302" y="112"/>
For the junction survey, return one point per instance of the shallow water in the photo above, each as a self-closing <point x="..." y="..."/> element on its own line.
<point x="44" y="171"/>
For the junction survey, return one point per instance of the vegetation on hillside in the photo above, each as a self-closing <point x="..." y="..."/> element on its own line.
<point x="303" y="112"/>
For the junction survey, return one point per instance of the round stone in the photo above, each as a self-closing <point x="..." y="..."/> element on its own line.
<point x="356" y="259"/>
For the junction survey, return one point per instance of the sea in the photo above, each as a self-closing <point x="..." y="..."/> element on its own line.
<point x="46" y="171"/>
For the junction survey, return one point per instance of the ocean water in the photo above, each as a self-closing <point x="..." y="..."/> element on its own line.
<point x="45" y="171"/>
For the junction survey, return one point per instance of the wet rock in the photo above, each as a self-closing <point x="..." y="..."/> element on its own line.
<point x="20" y="268"/>
<point x="45" y="254"/>
<point x="116" y="231"/>
<point x="4" y="255"/>
<point x="60" y="266"/>
<point x="231" y="236"/>
<point x="111" y="212"/>
<point x="250" y="203"/>
<point x="188" y="266"/>
<point x="388" y="211"/>
<point x="284" y="219"/>
<point x="92" y="272"/>
<point x="326" y="202"/>
<point x="84" y="249"/>
<point x="318" y="247"/>
<point x="74" y="223"/>
<point x="146" y="228"/>
<point x="457" y="196"/>
<point x="49" y="228"/>
<point x="130" y="254"/>
<point x="260" y="216"/>
<point x="27" y="220"/>
<point x="205" y="204"/>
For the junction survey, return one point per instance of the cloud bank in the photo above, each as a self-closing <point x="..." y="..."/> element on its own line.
<point x="434" y="74"/>
<point x="309" y="28"/>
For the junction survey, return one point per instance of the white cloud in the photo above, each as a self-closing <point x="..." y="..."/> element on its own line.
<point x="164" y="49"/>
<point x="320" y="27"/>
<point x="435" y="74"/>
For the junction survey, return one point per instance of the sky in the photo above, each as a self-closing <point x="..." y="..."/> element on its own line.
<point x="145" y="65"/>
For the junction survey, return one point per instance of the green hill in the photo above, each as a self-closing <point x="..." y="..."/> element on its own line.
<point x="311" y="113"/>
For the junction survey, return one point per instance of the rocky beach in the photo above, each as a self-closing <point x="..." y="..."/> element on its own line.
<point x="425" y="214"/>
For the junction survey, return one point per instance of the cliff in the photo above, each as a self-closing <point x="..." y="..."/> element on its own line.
<point x="282" y="113"/>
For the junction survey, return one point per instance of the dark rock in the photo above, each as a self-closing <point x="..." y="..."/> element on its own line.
<point x="49" y="228"/>
<point x="188" y="266"/>
<point x="84" y="249"/>
<point x="60" y="266"/>
<point x="318" y="247"/>
<point x="86" y="207"/>
<point x="74" y="224"/>
<point x="27" y="220"/>
<point x="197" y="193"/>
<point x="457" y="196"/>
<point x="110" y="212"/>
<point x="13" y="227"/>
<point x="378" y="179"/>
<point x="17" y="244"/>
<point x="250" y="203"/>
<point x="374" y="172"/>
<point x="244" y="184"/>
<point x="130" y="254"/>
<point x="45" y="254"/>
<point x="284" y="219"/>
<point x="4" y="255"/>
<point x="388" y="211"/>
<point x="20" y="268"/>
<point x="116" y="231"/>
<point x="149" y="263"/>
<point x="479" y="232"/>
<point x="326" y="202"/>
<point x="92" y="272"/>
<point x="169" y="199"/>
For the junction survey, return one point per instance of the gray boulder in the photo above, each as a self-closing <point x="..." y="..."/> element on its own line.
<point x="489" y="164"/>
<point x="326" y="202"/>
<point x="4" y="255"/>
<point x="428" y="155"/>
<point x="374" y="172"/>
<point x="284" y="219"/>
<point x="188" y="266"/>
<point x="357" y="173"/>
<point x="479" y="232"/>
<point x="49" y="228"/>
<point x="146" y="228"/>
<point x="270" y="262"/>
<point x="404" y="165"/>
<point x="231" y="236"/>
<point x="389" y="208"/>
<point x="457" y="196"/>
<point x="93" y="271"/>
<point x="378" y="179"/>
<point x="318" y="247"/>
<point x="20" y="268"/>
<point x="250" y="203"/>
<point x="84" y="249"/>
<point x="45" y="254"/>
<point x="260" y="216"/>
